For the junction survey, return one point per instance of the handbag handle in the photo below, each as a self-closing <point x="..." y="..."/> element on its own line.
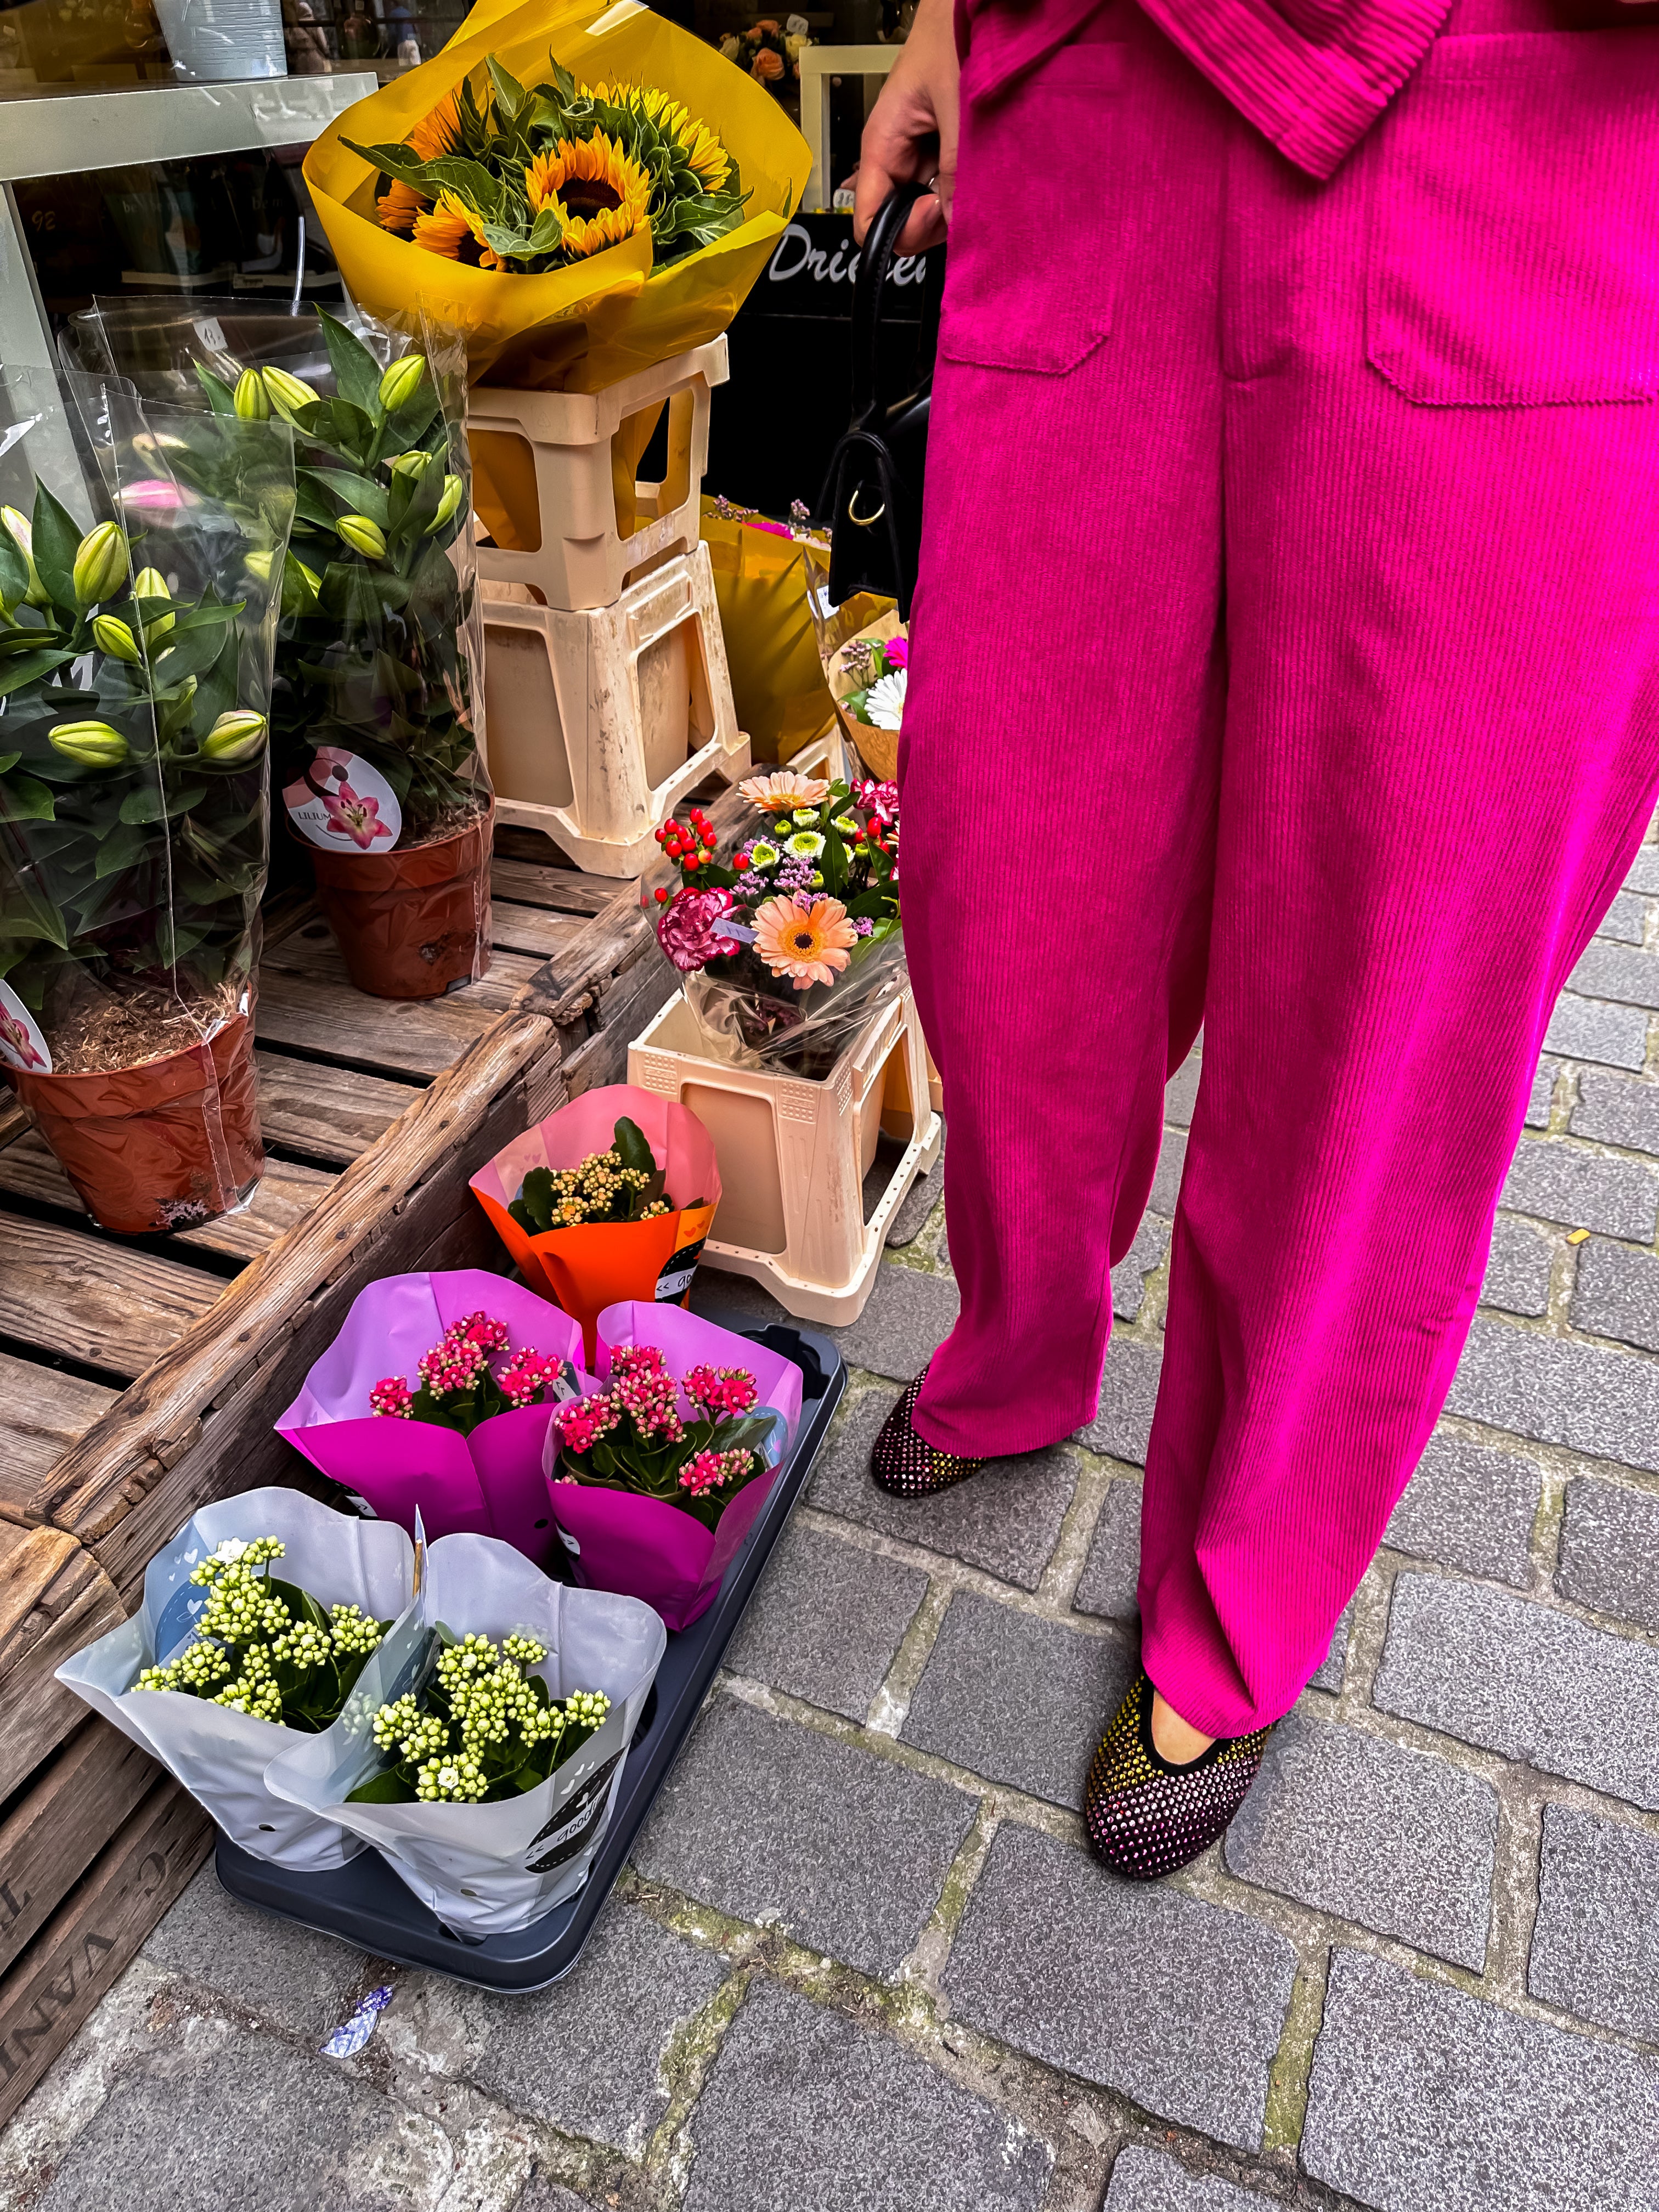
<point x="875" y="266"/>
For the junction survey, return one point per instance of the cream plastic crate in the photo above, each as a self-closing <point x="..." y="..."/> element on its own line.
<point x="597" y="723"/>
<point x="561" y="466"/>
<point x="793" y="1154"/>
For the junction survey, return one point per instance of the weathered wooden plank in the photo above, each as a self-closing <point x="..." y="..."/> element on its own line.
<point x="331" y="1114"/>
<point x="565" y="990"/>
<point x="310" y="951"/>
<point x="45" y="1413"/>
<point x="37" y="1712"/>
<point x="74" y="1806"/>
<point x="532" y="929"/>
<point x="100" y="1302"/>
<point x="319" y="1014"/>
<point x="95" y="1933"/>
<point x="12" y="1119"/>
<point x="532" y="882"/>
<point x="27" y="1169"/>
<point x="624" y="1005"/>
<point x="86" y="1490"/>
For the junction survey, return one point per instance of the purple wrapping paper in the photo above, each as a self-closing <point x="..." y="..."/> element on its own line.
<point x="488" y="1484"/>
<point x="641" y="1547"/>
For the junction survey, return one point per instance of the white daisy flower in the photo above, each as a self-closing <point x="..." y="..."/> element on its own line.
<point x="883" y="702"/>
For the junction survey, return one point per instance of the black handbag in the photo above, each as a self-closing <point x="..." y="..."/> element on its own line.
<point x="871" y="503"/>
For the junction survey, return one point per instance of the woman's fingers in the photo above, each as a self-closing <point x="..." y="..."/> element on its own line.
<point x="912" y="132"/>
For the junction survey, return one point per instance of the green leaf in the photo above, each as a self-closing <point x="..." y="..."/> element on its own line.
<point x="30" y="667"/>
<point x="13" y="570"/>
<point x="357" y="495"/>
<point x="356" y="372"/>
<point x="57" y="541"/>
<point x="386" y="1788"/>
<point x="221" y="399"/>
<point x="337" y="424"/>
<point x="196" y="650"/>
<point x="124" y="847"/>
<point x="629" y="1142"/>
<point x="536" y="1196"/>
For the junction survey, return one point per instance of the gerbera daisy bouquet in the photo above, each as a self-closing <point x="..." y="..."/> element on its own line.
<point x="788" y="938"/>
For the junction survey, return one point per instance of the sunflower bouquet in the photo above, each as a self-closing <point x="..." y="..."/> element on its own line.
<point x="536" y="177"/>
<point x="788" y="940"/>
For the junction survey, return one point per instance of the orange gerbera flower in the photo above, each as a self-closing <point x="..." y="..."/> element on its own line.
<point x="439" y="133"/>
<point x="398" y="207"/>
<point x="804" y="937"/>
<point x="601" y="192"/>
<point x="451" y="229"/>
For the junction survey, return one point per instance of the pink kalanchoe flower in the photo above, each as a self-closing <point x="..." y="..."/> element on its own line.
<point x="710" y="1469"/>
<point x="685" y="927"/>
<point x="478" y="1328"/>
<point x="351" y="814"/>
<point x="526" y="1375"/>
<point x="721" y="1389"/>
<point x="392" y="1396"/>
<point x="582" y="1421"/>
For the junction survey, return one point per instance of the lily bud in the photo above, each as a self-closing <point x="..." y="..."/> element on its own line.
<point x="301" y="586"/>
<point x="362" y="535"/>
<point x="236" y="737"/>
<point x="447" y="505"/>
<point x="250" y="401"/>
<point x="114" y="637"/>
<point x="151" y="584"/>
<point x="288" y="392"/>
<point x="101" y="562"/>
<point x="402" y="381"/>
<point x="21" y="533"/>
<point x="95" y="744"/>
<point x="411" y="464"/>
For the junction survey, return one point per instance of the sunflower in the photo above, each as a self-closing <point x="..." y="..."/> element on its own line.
<point x="439" y="133"/>
<point x="782" y="791"/>
<point x="806" y="938"/>
<point x="451" y="228"/>
<point x="710" y="162"/>
<point x="398" y="207"/>
<point x="601" y="193"/>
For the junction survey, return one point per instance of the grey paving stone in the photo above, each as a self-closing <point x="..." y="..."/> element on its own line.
<point x="1617" y="1109"/>
<point x="1517" y="1278"/>
<point x="1146" y="1991"/>
<point x="764" y="1819"/>
<point x="1129" y="1276"/>
<point x="1616" y="1293"/>
<point x="918" y="1202"/>
<point x="1596" y="1944"/>
<point x="1424" y="2099"/>
<point x="1616" y="972"/>
<point x="1016" y="1699"/>
<point x="306" y="1984"/>
<point x="1146" y="2180"/>
<point x="1583" y="1190"/>
<point x="1181" y="1092"/>
<point x="1543" y="1091"/>
<point x="910" y="1315"/>
<point x="586" y="2056"/>
<point x="1644" y="870"/>
<point x="1602" y="1402"/>
<point x="1006" y="1519"/>
<point x="541" y="2195"/>
<point x="1107" y="1584"/>
<point x="1626" y="920"/>
<point x="1588" y="1029"/>
<point x="1469" y="1505"/>
<point x="1166" y="1183"/>
<point x="826" y="1620"/>
<point x="803" y="2109"/>
<point x="258" y="2125"/>
<point x="1397" y="1840"/>
<point x="1334" y="1665"/>
<point x="1514" y="1677"/>
<point x="1128" y="1392"/>
<point x="1610" y="1550"/>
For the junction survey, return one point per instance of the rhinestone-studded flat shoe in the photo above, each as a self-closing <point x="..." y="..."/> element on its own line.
<point x="1147" y="1817"/>
<point x="906" y="1464"/>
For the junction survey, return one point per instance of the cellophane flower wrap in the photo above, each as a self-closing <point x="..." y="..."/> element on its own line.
<point x="221" y="1754"/>
<point x="562" y="308"/>
<point x="481" y="1476"/>
<point x="485" y="1869"/>
<point x="137" y="615"/>
<point x="864" y="647"/>
<point x="785" y="933"/>
<point x="380" y="644"/>
<point x="586" y="1268"/>
<point x="674" y="1555"/>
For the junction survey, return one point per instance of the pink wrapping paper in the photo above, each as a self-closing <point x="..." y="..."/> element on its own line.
<point x="488" y="1484"/>
<point x="641" y="1547"/>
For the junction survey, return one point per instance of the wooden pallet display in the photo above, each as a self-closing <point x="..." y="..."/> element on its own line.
<point x="143" y="1374"/>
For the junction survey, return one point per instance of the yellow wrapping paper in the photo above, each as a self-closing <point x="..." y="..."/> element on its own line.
<point x="581" y="328"/>
<point x="777" y="678"/>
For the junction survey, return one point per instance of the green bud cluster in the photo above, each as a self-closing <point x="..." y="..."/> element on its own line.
<point x="484" y="1727"/>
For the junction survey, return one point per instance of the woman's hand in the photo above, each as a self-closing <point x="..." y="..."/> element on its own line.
<point x="912" y="130"/>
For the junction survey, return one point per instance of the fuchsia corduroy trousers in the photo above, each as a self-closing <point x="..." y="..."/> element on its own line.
<point x="1285" y="659"/>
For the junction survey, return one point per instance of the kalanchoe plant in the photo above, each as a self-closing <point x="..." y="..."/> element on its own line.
<point x="266" y="1647"/>
<point x="373" y="650"/>
<point x="483" y="1727"/>
<point x="693" y="1444"/>
<point x="623" y="1184"/>
<point x="471" y="1375"/>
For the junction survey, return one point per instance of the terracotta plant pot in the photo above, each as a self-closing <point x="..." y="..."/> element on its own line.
<point x="162" y="1146"/>
<point x="412" y="925"/>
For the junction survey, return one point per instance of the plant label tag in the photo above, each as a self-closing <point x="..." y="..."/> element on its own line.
<point x="675" y="1279"/>
<point x="21" y="1044"/>
<point x="567" y="1830"/>
<point x="344" y="804"/>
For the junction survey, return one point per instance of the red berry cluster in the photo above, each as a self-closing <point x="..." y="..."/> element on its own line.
<point x="690" y="847"/>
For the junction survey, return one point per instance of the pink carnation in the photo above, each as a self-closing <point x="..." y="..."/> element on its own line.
<point x="685" y="927"/>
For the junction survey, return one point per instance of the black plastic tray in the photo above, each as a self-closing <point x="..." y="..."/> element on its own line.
<point x="366" y="1904"/>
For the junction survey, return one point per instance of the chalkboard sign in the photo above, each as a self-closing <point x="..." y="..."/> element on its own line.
<point x="812" y="269"/>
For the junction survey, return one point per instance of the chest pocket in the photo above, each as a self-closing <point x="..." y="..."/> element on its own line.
<point x="1514" y="252"/>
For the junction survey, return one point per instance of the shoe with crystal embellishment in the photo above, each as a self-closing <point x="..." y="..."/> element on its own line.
<point x="1147" y="1817"/>
<point x="906" y="1464"/>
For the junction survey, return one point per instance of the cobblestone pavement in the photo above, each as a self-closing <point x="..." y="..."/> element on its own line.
<point x="862" y="1960"/>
